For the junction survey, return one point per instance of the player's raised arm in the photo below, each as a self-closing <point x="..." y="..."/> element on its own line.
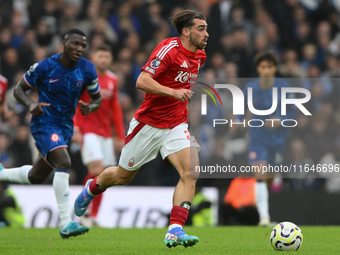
<point x="148" y="84"/>
<point x="20" y="95"/>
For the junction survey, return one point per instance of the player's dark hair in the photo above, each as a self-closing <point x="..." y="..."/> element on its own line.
<point x="266" y="56"/>
<point x="74" y="31"/>
<point x="184" y="19"/>
<point x="103" y="47"/>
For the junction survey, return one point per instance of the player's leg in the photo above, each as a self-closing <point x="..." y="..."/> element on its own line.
<point x="107" y="148"/>
<point x="93" y="151"/>
<point x="94" y="169"/>
<point x="27" y="174"/>
<point x="262" y="194"/>
<point x="258" y="157"/>
<point x="61" y="160"/>
<point x="184" y="161"/>
<point x="181" y="150"/>
<point x="143" y="144"/>
<point x="276" y="159"/>
<point x="111" y="176"/>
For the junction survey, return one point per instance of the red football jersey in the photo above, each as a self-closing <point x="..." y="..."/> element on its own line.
<point x="100" y="121"/>
<point x="3" y="88"/>
<point x="175" y="67"/>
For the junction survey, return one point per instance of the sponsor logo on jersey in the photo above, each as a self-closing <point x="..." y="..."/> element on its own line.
<point x="186" y="77"/>
<point x="155" y="63"/>
<point x="79" y="84"/>
<point x="131" y="161"/>
<point x="54" y="137"/>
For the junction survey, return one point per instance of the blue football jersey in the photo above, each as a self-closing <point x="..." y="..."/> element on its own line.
<point x="61" y="87"/>
<point x="262" y="100"/>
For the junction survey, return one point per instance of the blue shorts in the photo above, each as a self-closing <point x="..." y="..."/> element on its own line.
<point x="48" y="137"/>
<point x="258" y="152"/>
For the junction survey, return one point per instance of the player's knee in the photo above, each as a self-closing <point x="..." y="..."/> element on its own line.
<point x="63" y="164"/>
<point x="189" y="177"/>
<point x="36" y="179"/>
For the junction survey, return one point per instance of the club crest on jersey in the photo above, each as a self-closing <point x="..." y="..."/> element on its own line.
<point x="54" y="137"/>
<point x="155" y="63"/>
<point x="131" y="161"/>
<point x="79" y="84"/>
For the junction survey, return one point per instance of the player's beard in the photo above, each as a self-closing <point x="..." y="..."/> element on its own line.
<point x="195" y="42"/>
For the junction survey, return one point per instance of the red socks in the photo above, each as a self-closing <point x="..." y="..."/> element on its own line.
<point x="178" y="215"/>
<point x="94" y="188"/>
<point x="94" y="206"/>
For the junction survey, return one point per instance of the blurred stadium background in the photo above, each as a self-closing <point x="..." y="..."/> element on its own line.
<point x="304" y="34"/>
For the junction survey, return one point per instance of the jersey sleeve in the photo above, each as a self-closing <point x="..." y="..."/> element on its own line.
<point x="93" y="86"/>
<point x="36" y="70"/>
<point x="161" y="58"/>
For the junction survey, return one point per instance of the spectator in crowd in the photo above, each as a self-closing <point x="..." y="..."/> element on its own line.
<point x="332" y="162"/>
<point x="20" y="149"/>
<point x="10" y="64"/>
<point x="318" y="139"/>
<point x="298" y="156"/>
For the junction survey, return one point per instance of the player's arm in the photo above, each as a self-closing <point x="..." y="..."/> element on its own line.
<point x="93" y="105"/>
<point x="148" y="84"/>
<point x="35" y="108"/>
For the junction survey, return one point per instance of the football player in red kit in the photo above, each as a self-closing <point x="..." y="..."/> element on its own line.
<point x="160" y="124"/>
<point x="96" y="128"/>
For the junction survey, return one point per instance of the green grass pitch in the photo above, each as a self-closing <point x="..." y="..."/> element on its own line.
<point x="213" y="240"/>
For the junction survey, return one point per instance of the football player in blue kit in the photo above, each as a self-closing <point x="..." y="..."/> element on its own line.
<point x="266" y="143"/>
<point x="60" y="80"/>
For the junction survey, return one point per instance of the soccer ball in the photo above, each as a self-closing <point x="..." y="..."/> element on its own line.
<point x="286" y="236"/>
